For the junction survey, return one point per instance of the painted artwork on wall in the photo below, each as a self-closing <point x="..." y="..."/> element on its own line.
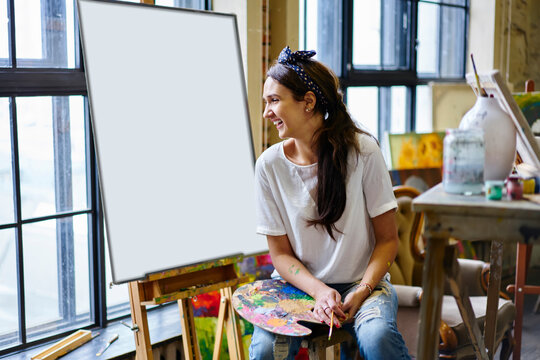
<point x="529" y="103"/>
<point x="416" y="151"/>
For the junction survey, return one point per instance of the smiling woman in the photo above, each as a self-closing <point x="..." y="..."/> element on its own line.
<point x="326" y="206"/>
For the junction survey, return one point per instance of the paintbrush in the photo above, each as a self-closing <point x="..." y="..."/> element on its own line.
<point x="111" y="340"/>
<point x="331" y="325"/>
<point x="481" y="90"/>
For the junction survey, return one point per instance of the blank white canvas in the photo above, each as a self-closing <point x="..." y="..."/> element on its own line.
<point x="171" y="127"/>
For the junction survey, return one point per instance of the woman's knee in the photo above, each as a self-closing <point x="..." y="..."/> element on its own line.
<point x="379" y="339"/>
<point x="262" y="345"/>
<point x="267" y="346"/>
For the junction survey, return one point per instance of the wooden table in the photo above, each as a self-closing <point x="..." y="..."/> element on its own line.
<point x="476" y="219"/>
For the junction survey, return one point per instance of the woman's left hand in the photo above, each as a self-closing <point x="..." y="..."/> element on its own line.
<point x="328" y="300"/>
<point x="354" y="300"/>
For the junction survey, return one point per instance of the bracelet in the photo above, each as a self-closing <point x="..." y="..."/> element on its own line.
<point x="367" y="286"/>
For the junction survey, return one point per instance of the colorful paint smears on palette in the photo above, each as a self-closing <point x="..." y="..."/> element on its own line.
<point x="275" y="306"/>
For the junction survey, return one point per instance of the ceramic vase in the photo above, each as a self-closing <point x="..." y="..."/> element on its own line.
<point x="499" y="136"/>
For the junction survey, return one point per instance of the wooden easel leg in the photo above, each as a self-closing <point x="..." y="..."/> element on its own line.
<point x="143" y="347"/>
<point x="189" y="336"/>
<point x="219" y="327"/>
<point x="232" y="323"/>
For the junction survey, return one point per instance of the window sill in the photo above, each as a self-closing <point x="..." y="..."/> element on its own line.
<point x="164" y="324"/>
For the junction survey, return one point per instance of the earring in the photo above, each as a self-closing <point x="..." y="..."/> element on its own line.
<point x="308" y="109"/>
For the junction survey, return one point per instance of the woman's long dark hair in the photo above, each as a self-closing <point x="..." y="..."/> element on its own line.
<point x="332" y="141"/>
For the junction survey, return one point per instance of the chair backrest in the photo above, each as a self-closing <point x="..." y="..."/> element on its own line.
<point x="407" y="268"/>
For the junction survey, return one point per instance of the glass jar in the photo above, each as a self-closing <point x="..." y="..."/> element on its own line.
<point x="463" y="161"/>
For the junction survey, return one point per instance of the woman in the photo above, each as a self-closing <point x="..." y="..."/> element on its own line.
<point x="326" y="206"/>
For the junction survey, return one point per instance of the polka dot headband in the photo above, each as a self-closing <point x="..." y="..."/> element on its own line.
<point x="290" y="59"/>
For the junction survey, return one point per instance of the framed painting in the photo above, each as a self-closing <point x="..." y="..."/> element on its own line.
<point x="415" y="151"/>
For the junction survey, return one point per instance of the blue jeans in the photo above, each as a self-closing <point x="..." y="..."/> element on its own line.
<point x="374" y="329"/>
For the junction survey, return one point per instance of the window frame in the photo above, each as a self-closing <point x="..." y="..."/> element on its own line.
<point x="382" y="78"/>
<point x="17" y="82"/>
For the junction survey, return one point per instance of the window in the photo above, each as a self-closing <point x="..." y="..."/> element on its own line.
<point x="386" y="52"/>
<point x="53" y="273"/>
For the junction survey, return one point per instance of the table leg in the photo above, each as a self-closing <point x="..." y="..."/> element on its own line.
<point x="490" y="324"/>
<point x="459" y="290"/>
<point x="430" y="307"/>
<point x="521" y="273"/>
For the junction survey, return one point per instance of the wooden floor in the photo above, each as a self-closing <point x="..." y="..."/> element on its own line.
<point x="530" y="338"/>
<point x="530" y="348"/>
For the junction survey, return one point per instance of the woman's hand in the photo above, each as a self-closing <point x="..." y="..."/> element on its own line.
<point x="326" y="301"/>
<point x="354" y="300"/>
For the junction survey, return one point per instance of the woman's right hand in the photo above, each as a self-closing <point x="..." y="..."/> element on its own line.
<point x="326" y="301"/>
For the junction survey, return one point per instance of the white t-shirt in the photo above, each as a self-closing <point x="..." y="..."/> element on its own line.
<point x="284" y="202"/>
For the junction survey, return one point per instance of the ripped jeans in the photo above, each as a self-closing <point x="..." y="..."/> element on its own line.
<point x="374" y="329"/>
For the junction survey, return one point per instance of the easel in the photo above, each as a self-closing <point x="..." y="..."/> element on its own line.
<point x="181" y="285"/>
<point x="523" y="257"/>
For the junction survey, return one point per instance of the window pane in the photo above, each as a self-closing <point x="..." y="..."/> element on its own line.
<point x="321" y="30"/>
<point x="452" y="2"/>
<point x="78" y="151"/>
<point x="428" y="38"/>
<point x="424" y="123"/>
<point x="82" y="275"/>
<point x="452" y="42"/>
<point x="57" y="296"/>
<point x="381" y="34"/>
<point x="6" y="174"/>
<point x="308" y="25"/>
<point x="9" y="311"/>
<point x="117" y="295"/>
<point x="4" y="35"/>
<point x="398" y="108"/>
<point x="363" y="107"/>
<point x="189" y="4"/>
<point x="367" y="33"/>
<point x="45" y="33"/>
<point x="52" y="155"/>
<point x="441" y="40"/>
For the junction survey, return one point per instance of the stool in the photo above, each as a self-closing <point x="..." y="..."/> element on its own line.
<point x="319" y="347"/>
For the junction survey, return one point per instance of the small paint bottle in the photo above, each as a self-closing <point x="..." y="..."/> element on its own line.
<point x="514" y="188"/>
<point x="529" y="185"/>
<point x="494" y="189"/>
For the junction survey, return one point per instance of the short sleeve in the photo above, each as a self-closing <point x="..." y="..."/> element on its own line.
<point x="376" y="182"/>
<point x="269" y="221"/>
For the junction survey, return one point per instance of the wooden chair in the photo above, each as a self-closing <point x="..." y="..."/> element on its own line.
<point x="406" y="277"/>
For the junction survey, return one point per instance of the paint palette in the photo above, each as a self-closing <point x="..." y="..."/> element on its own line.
<point x="275" y="306"/>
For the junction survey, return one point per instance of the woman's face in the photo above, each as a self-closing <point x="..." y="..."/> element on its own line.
<point x="288" y="114"/>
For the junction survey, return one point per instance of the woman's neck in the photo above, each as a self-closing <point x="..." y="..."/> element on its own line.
<point x="300" y="152"/>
